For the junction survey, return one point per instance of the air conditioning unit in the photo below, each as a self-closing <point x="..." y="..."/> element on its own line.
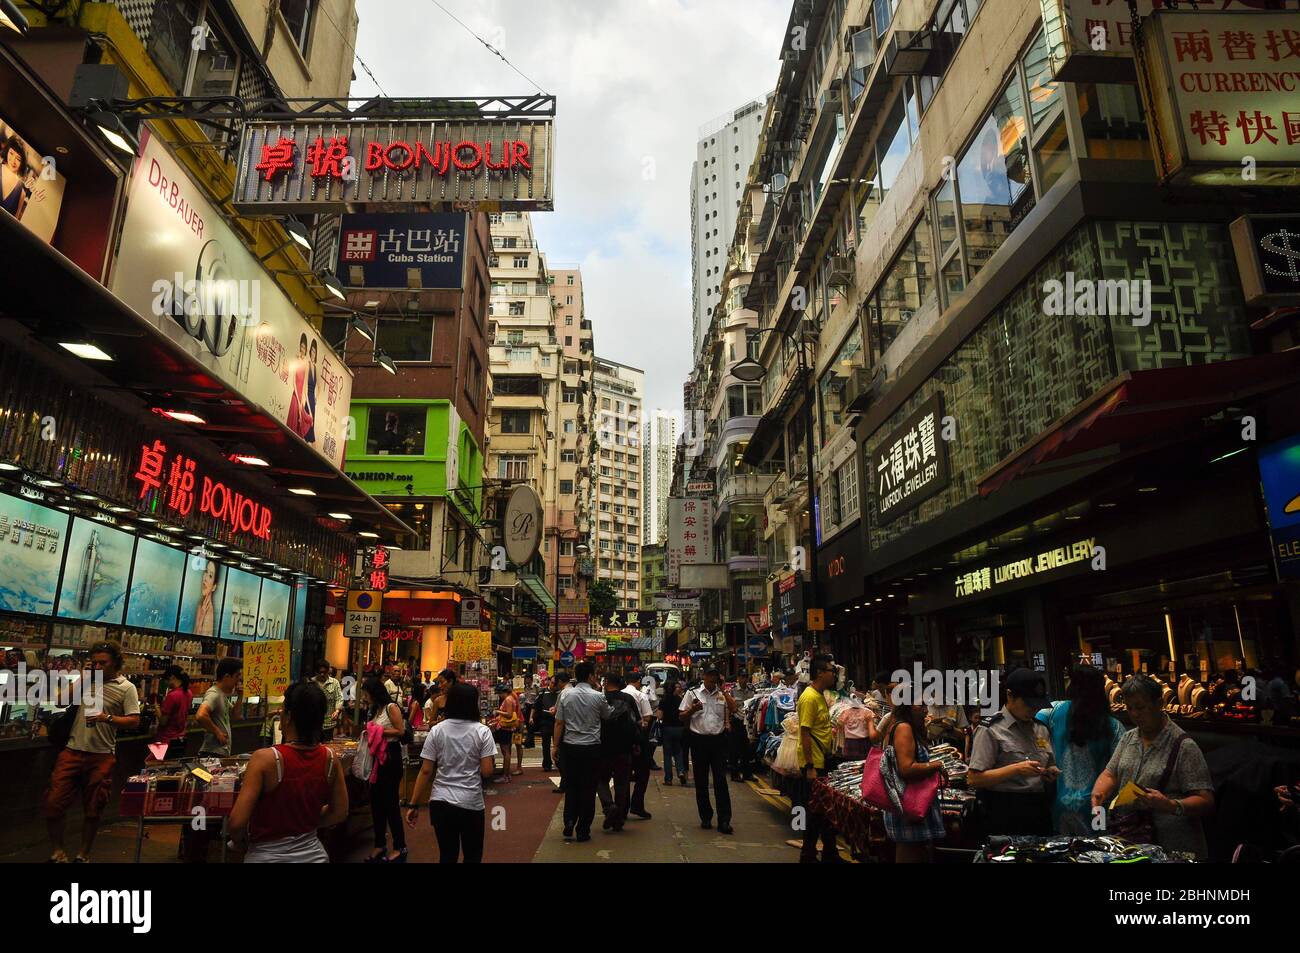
<point x="858" y="391"/>
<point x="910" y="53"/>
<point x="829" y="100"/>
<point x="840" y="271"/>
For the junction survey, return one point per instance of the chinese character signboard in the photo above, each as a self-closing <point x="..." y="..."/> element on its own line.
<point x="690" y="535"/>
<point x="632" y="619"/>
<point x="1222" y="96"/>
<point x="1091" y="40"/>
<point x="912" y="464"/>
<point x="193" y="278"/>
<point x="1268" y="257"/>
<point x="381" y="251"/>
<point x="426" y="165"/>
<point x="375" y="568"/>
<point x="1279" y="471"/>
<point x="989" y="578"/>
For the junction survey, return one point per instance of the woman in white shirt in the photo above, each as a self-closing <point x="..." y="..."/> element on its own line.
<point x="457" y="755"/>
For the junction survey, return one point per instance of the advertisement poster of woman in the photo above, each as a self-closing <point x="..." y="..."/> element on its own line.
<point x="300" y="413"/>
<point x="31" y="188"/>
<point x="201" y="604"/>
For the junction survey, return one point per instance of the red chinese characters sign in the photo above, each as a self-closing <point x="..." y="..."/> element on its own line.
<point x="1223" y="92"/>
<point x="176" y="482"/>
<point x="422" y="165"/>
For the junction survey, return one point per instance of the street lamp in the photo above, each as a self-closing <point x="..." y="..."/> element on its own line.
<point x="751" y="371"/>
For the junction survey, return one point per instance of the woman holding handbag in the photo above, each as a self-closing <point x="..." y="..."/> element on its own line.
<point x="915" y="828"/>
<point x="385" y="780"/>
<point x="509" y="732"/>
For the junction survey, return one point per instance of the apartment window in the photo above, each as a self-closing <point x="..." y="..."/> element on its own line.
<point x="519" y="287"/>
<point x="570" y="395"/>
<point x="631" y="494"/>
<point x="744" y="400"/>
<point x="605" y="489"/>
<point x="566" y="487"/>
<point x="568" y="321"/>
<point x="605" y="471"/>
<point x="846" y="490"/>
<point x="495" y="218"/>
<point x="521" y="261"/>
<point x="893" y="144"/>
<point x="406" y="339"/>
<point x="566" y="582"/>
<point x="993" y="179"/>
<point x="300" y="16"/>
<point x="516" y="421"/>
<point x="907" y="286"/>
<point x="512" y="467"/>
<point x="494" y="261"/>
<point x="850" y="357"/>
<point x="517" y="309"/>
<point x="568" y="340"/>
<point x="396" y="431"/>
<point x="604" y="403"/>
<point x="568" y="299"/>
<point x="566" y="547"/>
<point x="568" y="279"/>
<point x="568" y="456"/>
<point x="210" y="70"/>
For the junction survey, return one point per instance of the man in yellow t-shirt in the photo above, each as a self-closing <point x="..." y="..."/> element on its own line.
<point x="814" y="745"/>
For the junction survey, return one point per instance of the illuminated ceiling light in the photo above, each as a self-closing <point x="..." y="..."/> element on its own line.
<point x="368" y="535"/>
<point x="1231" y="453"/>
<point x="334" y="287"/>
<point x="197" y="539"/>
<point x="88" y="352"/>
<point x="372" y="303"/>
<point x="1107" y="506"/>
<point x="9" y="467"/>
<point x="249" y="460"/>
<point x="115" y="131"/>
<point x="301" y="491"/>
<point x="386" y="362"/>
<point x="50" y="484"/>
<point x="119" y="509"/>
<point x="87" y="497"/>
<point x="1147" y="489"/>
<point x="356" y="324"/>
<point x="340" y="516"/>
<point x="298" y="232"/>
<point x="11" y="18"/>
<point x="147" y="519"/>
<point x="183" y="416"/>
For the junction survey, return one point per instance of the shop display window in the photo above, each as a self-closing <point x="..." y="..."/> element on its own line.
<point x="396" y="431"/>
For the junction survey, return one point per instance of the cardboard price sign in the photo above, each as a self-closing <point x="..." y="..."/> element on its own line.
<point x="470" y="645"/>
<point x="266" y="668"/>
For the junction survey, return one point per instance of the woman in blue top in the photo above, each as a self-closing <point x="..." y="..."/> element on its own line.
<point x="1084" y="735"/>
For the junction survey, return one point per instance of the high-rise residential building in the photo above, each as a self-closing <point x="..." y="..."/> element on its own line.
<point x="659" y="437"/>
<point x="575" y="495"/>
<point x="620" y="496"/>
<point x="722" y="157"/>
<point x="524" y="420"/>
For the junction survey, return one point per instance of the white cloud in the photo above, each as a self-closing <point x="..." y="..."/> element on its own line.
<point x="634" y="81"/>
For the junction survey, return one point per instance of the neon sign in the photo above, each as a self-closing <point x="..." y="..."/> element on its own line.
<point x="180" y="489"/>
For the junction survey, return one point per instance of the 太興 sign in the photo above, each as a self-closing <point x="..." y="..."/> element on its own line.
<point x="418" y="250"/>
<point x="408" y="165"/>
<point x="1222" y="96"/>
<point x="912" y="464"/>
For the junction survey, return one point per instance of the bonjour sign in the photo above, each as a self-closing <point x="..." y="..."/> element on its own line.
<point x="414" y="165"/>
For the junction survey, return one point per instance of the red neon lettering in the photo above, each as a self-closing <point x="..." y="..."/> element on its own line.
<point x="487" y="156"/>
<point x="467" y="166"/>
<point x="374" y="156"/>
<point x="521" y="155"/>
<point x="247" y="516"/>
<point x="399" y="166"/>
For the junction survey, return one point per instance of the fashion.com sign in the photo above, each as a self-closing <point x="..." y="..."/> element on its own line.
<point x="38" y="688"/>
<point x="933" y="686"/>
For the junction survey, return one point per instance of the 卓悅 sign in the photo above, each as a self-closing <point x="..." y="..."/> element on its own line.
<point x="176" y="483"/>
<point x="409" y="165"/>
<point x="388" y="251"/>
<point x="1267" y="248"/>
<point x="1222" y="96"/>
<point x="470" y="645"/>
<point x="192" y="277"/>
<point x="1279" y="472"/>
<point x="912" y="463"/>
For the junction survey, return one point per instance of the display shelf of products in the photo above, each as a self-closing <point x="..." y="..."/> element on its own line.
<point x="1075" y="850"/>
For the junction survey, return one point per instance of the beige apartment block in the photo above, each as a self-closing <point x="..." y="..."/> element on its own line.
<point x="620" y="497"/>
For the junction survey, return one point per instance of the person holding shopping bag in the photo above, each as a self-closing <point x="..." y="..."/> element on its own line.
<point x="909" y="764"/>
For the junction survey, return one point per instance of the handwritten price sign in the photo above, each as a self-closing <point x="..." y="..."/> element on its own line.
<point x="266" y="668"/>
<point x="470" y="645"/>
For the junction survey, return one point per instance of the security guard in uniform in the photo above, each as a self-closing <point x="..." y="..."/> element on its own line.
<point x="1011" y="765"/>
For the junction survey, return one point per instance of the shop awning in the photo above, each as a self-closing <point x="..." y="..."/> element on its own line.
<point x="537" y="589"/>
<point x="57" y="301"/>
<point x="1140" y="405"/>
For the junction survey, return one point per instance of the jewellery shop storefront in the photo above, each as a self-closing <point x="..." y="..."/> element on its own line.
<point x="152" y="491"/>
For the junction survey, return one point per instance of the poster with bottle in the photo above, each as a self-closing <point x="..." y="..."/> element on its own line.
<point x="32" y="542"/>
<point x="239" y="614"/>
<point x="156" y="581"/>
<point x="273" y="615"/>
<point x="95" y="576"/>
<point x="205" y="586"/>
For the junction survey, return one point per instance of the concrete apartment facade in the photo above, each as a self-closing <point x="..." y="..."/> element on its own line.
<point x="620" y="499"/>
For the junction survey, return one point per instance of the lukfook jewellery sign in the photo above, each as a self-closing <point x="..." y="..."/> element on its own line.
<point x="912" y="464"/>
<point x="395" y="166"/>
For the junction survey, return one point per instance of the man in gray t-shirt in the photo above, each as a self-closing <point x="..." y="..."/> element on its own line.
<point x="214" y="713"/>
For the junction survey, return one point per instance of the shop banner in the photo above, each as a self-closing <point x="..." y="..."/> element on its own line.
<point x="319" y="165"/>
<point x="420" y="612"/>
<point x="1222" y="96"/>
<point x="205" y="590"/>
<point x="95" y="578"/>
<point x="31" y="186"/>
<point x="470" y="645"/>
<point x="690" y="535"/>
<point x="191" y="276"/>
<point x="385" y="251"/>
<point x="839" y="567"/>
<point x="266" y="668"/>
<point x="32" y="542"/>
<point x="156" y="582"/>
<point x="1279" y="471"/>
<point x="911" y="465"/>
<point x="239" y="615"/>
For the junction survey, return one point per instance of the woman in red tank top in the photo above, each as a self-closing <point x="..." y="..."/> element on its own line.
<point x="292" y="790"/>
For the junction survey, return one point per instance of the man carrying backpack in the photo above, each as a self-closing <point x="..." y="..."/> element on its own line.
<point x="618" y="736"/>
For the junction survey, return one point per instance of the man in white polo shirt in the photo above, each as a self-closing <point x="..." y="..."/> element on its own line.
<point x="707" y="713"/>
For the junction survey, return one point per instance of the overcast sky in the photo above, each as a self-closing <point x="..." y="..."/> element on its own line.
<point x="634" y="81"/>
